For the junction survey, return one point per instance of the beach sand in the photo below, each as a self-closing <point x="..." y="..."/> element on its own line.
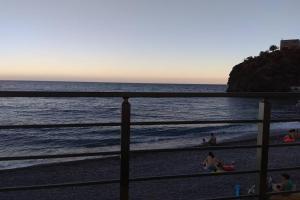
<point x="144" y="165"/>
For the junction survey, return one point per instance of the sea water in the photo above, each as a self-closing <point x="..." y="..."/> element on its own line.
<point x="20" y="111"/>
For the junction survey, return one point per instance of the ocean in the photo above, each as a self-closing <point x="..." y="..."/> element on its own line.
<point x="16" y="111"/>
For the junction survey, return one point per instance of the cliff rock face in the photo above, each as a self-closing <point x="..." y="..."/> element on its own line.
<point x="273" y="71"/>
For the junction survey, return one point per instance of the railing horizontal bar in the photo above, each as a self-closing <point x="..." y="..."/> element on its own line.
<point x="194" y="122"/>
<point x="34" y="157"/>
<point x="71" y="155"/>
<point x="11" y="158"/>
<point x="182" y="176"/>
<point x="63" y="185"/>
<point x="283" y="192"/>
<point x="32" y="126"/>
<point x="285" y="145"/>
<point x="234" y="197"/>
<point x="195" y="149"/>
<point x="284" y="169"/>
<point x="274" y="95"/>
<point x="284" y="120"/>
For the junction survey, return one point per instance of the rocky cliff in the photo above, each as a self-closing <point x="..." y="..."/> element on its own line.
<point x="274" y="71"/>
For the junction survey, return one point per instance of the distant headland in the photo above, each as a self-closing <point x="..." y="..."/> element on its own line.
<point x="274" y="70"/>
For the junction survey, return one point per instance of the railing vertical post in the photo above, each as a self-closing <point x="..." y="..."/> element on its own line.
<point x="262" y="153"/>
<point x="125" y="145"/>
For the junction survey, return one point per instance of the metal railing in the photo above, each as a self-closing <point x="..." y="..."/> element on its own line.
<point x="262" y="146"/>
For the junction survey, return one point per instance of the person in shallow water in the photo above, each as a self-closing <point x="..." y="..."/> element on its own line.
<point x="212" y="140"/>
<point x="211" y="163"/>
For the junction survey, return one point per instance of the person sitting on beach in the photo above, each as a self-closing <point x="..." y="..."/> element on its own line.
<point x="285" y="185"/>
<point x="211" y="162"/>
<point x="213" y="140"/>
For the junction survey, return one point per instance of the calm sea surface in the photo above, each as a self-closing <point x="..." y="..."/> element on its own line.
<point x="87" y="110"/>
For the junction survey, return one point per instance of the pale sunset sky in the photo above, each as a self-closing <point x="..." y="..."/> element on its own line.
<point x="159" y="41"/>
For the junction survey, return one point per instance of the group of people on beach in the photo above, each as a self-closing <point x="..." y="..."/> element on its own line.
<point x="212" y="164"/>
<point x="285" y="185"/>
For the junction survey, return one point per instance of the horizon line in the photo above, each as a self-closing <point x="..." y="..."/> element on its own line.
<point x="116" y="82"/>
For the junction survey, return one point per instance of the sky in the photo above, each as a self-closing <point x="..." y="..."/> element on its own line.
<point x="148" y="41"/>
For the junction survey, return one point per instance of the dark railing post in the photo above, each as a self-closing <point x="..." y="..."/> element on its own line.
<point x="125" y="145"/>
<point x="262" y="153"/>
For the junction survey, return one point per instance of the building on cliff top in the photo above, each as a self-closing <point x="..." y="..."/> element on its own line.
<point x="290" y="44"/>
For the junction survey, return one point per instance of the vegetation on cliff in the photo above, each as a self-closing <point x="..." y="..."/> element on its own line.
<point x="272" y="71"/>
